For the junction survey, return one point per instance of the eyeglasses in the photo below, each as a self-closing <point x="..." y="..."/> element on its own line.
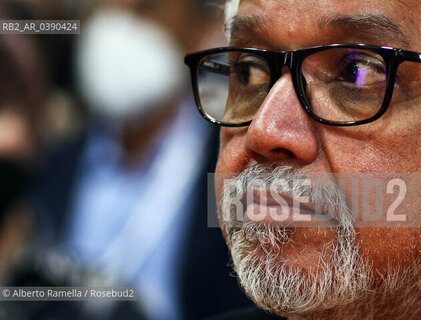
<point x="338" y="84"/>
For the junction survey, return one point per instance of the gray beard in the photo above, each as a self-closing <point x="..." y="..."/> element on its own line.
<point x="341" y="287"/>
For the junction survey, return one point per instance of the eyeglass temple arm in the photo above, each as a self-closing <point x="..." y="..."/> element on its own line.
<point x="411" y="56"/>
<point x="216" y="67"/>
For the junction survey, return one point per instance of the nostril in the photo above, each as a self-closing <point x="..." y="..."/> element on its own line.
<point x="283" y="152"/>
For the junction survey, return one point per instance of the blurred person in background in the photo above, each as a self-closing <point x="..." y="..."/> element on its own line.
<point x="129" y="194"/>
<point x="24" y="91"/>
<point x="23" y="87"/>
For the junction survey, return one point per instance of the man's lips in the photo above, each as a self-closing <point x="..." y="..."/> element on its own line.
<point x="272" y="207"/>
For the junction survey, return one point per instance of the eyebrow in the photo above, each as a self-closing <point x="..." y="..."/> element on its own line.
<point x="241" y="29"/>
<point x="374" y="25"/>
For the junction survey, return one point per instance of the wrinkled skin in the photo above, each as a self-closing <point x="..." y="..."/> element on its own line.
<point x="282" y="131"/>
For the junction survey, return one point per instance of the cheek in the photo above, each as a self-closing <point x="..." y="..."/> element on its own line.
<point x="394" y="247"/>
<point x="374" y="153"/>
<point x="232" y="157"/>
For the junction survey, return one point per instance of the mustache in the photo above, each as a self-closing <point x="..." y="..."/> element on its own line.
<point x="320" y="190"/>
<point x="265" y="273"/>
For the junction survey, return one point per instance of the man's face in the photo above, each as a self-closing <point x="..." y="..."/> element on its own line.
<point x="282" y="133"/>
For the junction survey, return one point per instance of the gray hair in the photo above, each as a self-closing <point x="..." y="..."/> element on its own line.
<point x="274" y="284"/>
<point x="342" y="285"/>
<point x="231" y="8"/>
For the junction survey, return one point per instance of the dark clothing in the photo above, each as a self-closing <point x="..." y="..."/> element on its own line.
<point x="252" y="313"/>
<point x="207" y="286"/>
<point x="37" y="270"/>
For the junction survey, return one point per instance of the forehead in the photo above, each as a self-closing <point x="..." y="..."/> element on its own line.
<point x="288" y="24"/>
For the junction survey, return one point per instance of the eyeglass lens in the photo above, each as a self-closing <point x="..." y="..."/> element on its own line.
<point x="339" y="84"/>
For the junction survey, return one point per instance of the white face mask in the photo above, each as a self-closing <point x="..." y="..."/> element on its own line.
<point x="127" y="67"/>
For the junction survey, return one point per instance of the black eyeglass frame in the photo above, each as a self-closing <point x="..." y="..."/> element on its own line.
<point x="393" y="57"/>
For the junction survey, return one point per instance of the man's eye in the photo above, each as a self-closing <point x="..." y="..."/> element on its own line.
<point x="362" y="71"/>
<point x="251" y="74"/>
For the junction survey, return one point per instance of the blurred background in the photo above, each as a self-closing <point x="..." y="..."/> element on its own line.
<point x="104" y="161"/>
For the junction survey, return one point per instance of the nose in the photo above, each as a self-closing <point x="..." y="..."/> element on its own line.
<point x="281" y="129"/>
